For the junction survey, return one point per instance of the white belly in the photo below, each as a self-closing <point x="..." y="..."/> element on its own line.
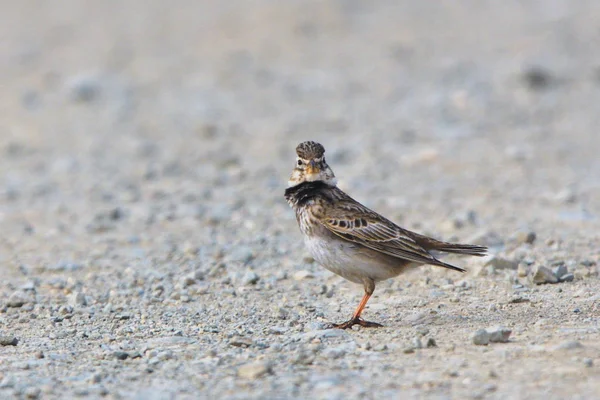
<point x="350" y="260"/>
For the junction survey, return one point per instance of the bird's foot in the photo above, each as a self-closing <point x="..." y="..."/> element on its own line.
<point x="357" y="321"/>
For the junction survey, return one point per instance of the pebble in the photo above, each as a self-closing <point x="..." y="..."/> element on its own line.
<point x="18" y="299"/>
<point x="422" y="330"/>
<point x="497" y="334"/>
<point x="187" y="281"/>
<point x="254" y="370"/>
<point x="32" y="392"/>
<point x="121" y="355"/>
<point x="83" y="88"/>
<point x="78" y="299"/>
<point x="417" y="318"/>
<point x="560" y="271"/>
<point x="541" y="275"/>
<point x="537" y="78"/>
<point x="518" y="299"/>
<point x="480" y="337"/>
<point x="567" y="278"/>
<point x="569" y="345"/>
<point x="6" y="340"/>
<point x="250" y="278"/>
<point x="380" y="347"/>
<point x="522" y="270"/>
<point x="277" y="330"/>
<point x="238" y="341"/>
<point x="525" y="237"/>
<point x="416" y="343"/>
<point x="303" y="274"/>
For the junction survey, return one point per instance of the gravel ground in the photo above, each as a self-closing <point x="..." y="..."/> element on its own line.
<point x="146" y="249"/>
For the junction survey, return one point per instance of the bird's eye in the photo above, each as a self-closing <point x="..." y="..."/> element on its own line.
<point x="299" y="162"/>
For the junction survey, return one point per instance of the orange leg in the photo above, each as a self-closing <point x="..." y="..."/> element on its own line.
<point x="361" y="306"/>
<point x="356" y="319"/>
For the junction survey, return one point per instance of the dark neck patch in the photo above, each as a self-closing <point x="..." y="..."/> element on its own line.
<point x="302" y="193"/>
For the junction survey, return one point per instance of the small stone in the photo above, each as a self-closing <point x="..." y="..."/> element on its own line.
<point x="254" y="370"/>
<point x="499" y="334"/>
<point x="430" y="343"/>
<point x="238" y="341"/>
<point x="418" y="318"/>
<point x="588" y="362"/>
<point x="481" y="337"/>
<point x="560" y="271"/>
<point x="416" y="343"/>
<point x="6" y="340"/>
<point x="277" y="330"/>
<point x="188" y="280"/>
<point x="123" y="316"/>
<point x="32" y="393"/>
<point x="537" y="78"/>
<point x="525" y="237"/>
<point x="522" y="270"/>
<point x="380" y="347"/>
<point x="28" y="286"/>
<point x="66" y="310"/>
<point x="78" y="299"/>
<point x="518" y="299"/>
<point x="566" y="196"/>
<point x="542" y="275"/>
<point x="301" y="275"/>
<point x="408" y="350"/>
<point x="569" y="345"/>
<point x="18" y="299"/>
<point x="84" y="88"/>
<point x="422" y="330"/>
<point x="567" y="278"/>
<point x="250" y="278"/>
<point x="121" y="355"/>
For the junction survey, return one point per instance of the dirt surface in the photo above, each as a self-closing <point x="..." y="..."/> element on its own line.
<point x="146" y="249"/>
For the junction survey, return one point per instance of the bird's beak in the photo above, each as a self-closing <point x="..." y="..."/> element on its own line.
<point x="312" y="168"/>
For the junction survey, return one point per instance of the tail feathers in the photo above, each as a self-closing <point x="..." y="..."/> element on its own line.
<point x="469" y="249"/>
<point x="449" y="266"/>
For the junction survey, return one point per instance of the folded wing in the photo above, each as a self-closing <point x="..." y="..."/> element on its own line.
<point x="356" y="223"/>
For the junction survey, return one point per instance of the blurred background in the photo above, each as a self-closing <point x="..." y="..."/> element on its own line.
<point x="107" y="103"/>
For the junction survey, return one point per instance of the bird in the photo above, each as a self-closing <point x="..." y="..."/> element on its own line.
<point x="351" y="240"/>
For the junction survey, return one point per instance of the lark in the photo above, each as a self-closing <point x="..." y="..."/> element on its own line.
<point x="351" y="240"/>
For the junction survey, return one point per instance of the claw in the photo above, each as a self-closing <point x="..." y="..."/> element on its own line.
<point x="357" y="321"/>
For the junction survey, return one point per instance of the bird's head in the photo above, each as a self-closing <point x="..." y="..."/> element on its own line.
<point x="311" y="165"/>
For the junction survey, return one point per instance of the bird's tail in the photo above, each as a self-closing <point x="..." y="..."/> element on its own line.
<point x="468" y="249"/>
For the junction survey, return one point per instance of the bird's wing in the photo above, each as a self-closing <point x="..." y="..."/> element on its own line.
<point x="352" y="221"/>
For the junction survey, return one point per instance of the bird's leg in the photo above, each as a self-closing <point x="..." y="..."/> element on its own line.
<point x="356" y="319"/>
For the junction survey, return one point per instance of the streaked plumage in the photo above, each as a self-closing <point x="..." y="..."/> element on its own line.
<point x="351" y="240"/>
